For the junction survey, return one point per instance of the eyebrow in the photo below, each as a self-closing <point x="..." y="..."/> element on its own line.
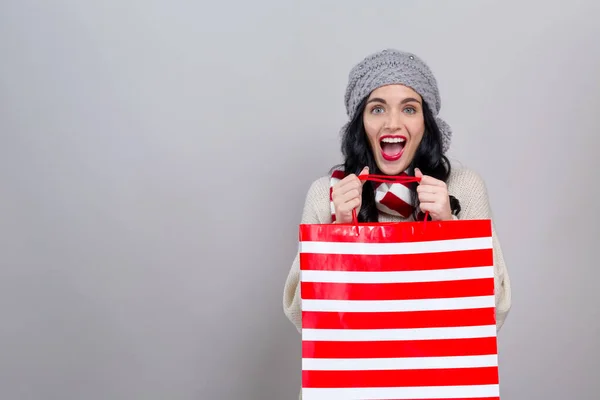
<point x="406" y="100"/>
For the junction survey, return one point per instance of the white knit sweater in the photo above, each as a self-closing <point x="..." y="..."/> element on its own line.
<point x="464" y="184"/>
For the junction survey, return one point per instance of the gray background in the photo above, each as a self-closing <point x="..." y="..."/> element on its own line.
<point x="154" y="159"/>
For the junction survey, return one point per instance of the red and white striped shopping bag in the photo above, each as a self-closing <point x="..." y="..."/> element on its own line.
<point x="398" y="311"/>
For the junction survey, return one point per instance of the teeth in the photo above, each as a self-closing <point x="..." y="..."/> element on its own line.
<point x="393" y="140"/>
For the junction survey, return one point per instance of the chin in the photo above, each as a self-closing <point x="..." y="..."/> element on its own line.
<point x="391" y="169"/>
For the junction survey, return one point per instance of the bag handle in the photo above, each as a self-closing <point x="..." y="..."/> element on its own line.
<point x="385" y="179"/>
<point x="388" y="178"/>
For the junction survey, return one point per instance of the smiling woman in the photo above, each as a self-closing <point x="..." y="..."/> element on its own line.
<point x="392" y="101"/>
<point x="388" y="108"/>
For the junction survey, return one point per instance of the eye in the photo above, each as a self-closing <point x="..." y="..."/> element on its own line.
<point x="377" y="110"/>
<point x="410" y="110"/>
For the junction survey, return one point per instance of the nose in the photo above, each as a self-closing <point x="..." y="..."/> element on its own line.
<point x="394" y="121"/>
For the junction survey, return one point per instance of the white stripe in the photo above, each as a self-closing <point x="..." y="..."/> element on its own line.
<point x="367" y="335"/>
<point x="378" y="364"/>
<point x="414" y="393"/>
<point x="438" y="275"/>
<point x="332" y="182"/>
<point x="386" y="209"/>
<point x="459" y="303"/>
<point x="434" y="246"/>
<point x="380" y="194"/>
<point x="400" y="191"/>
<point x="397" y="189"/>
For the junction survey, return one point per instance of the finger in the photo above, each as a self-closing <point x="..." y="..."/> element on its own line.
<point x="346" y="194"/>
<point x="347" y="207"/>
<point x="429" y="180"/>
<point x="351" y="179"/>
<point x="350" y="195"/>
<point x="432" y="208"/>
<point x="349" y="186"/>
<point x="426" y="179"/>
<point x="429" y="198"/>
<point x="427" y="189"/>
<point x="425" y="207"/>
<point x="365" y="171"/>
<point x="348" y="183"/>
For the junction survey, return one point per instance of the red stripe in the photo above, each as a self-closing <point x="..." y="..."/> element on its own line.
<point x="397" y="291"/>
<point x="330" y="200"/>
<point x="338" y="174"/>
<point x="400" y="378"/>
<point x="398" y="320"/>
<point x="398" y="349"/>
<point x="397" y="232"/>
<point x="395" y="203"/>
<point x="397" y="262"/>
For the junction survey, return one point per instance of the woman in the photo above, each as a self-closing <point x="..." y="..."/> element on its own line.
<point x="392" y="101"/>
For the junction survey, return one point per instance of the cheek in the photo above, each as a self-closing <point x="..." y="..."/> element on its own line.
<point x="372" y="128"/>
<point x="417" y="130"/>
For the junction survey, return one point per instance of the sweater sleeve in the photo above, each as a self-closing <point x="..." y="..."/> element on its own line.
<point x="316" y="211"/>
<point x="475" y="205"/>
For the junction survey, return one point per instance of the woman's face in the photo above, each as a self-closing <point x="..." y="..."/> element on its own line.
<point x="394" y="123"/>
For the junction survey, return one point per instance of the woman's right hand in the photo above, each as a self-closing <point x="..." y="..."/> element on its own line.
<point x="347" y="196"/>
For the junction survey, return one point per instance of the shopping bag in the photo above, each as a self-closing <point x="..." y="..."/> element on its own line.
<point x="398" y="311"/>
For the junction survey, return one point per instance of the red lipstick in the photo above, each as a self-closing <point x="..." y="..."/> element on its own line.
<point x="392" y="147"/>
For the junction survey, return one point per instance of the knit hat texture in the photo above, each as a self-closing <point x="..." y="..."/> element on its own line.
<point x="392" y="66"/>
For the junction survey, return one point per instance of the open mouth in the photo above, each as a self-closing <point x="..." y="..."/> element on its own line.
<point x="392" y="147"/>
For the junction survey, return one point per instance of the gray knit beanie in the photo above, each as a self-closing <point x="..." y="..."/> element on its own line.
<point x="395" y="67"/>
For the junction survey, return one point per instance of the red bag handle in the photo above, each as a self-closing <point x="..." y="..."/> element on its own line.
<point x="388" y="178"/>
<point x="385" y="179"/>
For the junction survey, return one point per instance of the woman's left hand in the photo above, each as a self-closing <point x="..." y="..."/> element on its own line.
<point x="433" y="197"/>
